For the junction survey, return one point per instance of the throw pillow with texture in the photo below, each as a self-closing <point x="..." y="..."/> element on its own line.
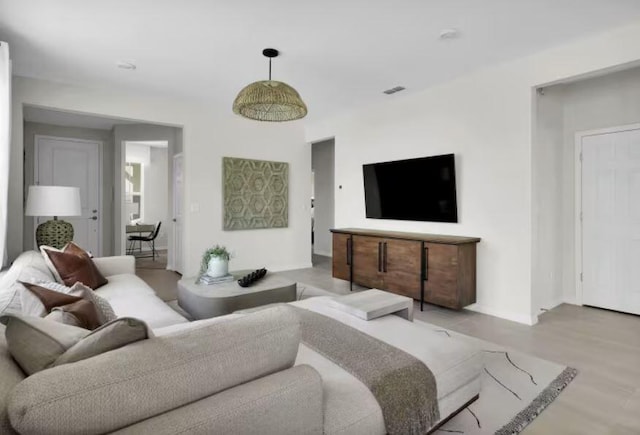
<point x="113" y="335"/>
<point x="61" y="316"/>
<point x="32" y="306"/>
<point x="84" y="310"/>
<point x="73" y="264"/>
<point x="36" y="343"/>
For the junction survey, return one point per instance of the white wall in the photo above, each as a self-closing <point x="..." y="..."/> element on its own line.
<point x="547" y="204"/>
<point x="485" y="118"/>
<point x="322" y="162"/>
<point x="210" y="131"/>
<point x="137" y="153"/>
<point x="156" y="193"/>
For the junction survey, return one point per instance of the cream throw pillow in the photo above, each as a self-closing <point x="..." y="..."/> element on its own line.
<point x="37" y="344"/>
<point x="111" y="336"/>
<point x="62" y="316"/>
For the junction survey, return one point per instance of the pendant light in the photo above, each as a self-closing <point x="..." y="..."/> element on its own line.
<point x="269" y="100"/>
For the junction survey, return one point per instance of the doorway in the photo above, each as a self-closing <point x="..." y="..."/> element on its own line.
<point x="322" y="200"/>
<point x="74" y="162"/>
<point x="146" y="199"/>
<point x="609" y="217"/>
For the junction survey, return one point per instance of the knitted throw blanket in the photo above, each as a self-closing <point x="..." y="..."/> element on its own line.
<point x="404" y="387"/>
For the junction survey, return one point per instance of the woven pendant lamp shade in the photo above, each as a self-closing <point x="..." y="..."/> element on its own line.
<point x="269" y="100"/>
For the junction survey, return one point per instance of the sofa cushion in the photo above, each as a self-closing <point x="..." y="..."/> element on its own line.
<point x="284" y="403"/>
<point x="61" y="316"/>
<point x="10" y="376"/>
<point x="129" y="296"/>
<point x="72" y="264"/>
<point x="110" y="336"/>
<point x="154" y="376"/>
<point x="35" y="343"/>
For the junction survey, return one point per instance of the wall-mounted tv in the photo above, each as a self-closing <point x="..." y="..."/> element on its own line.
<point x="422" y="189"/>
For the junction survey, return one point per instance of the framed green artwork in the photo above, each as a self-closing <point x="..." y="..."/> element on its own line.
<point x="256" y="194"/>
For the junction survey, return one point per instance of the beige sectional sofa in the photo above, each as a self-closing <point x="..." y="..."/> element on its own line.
<point x="237" y="374"/>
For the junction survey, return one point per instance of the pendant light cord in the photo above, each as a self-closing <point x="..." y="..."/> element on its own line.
<point x="269" y="69"/>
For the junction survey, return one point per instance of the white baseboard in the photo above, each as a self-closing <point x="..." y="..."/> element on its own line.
<point x="148" y="249"/>
<point x="527" y="319"/>
<point x="323" y="253"/>
<point x="552" y="305"/>
<point x="291" y="267"/>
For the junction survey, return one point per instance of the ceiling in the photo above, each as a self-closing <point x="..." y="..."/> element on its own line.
<point x="338" y="54"/>
<point x="70" y="119"/>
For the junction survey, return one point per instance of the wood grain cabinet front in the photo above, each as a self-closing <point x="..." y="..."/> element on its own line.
<point x="401" y="260"/>
<point x="438" y="269"/>
<point x="367" y="261"/>
<point x="342" y="256"/>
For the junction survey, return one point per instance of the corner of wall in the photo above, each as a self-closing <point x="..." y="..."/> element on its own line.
<point x="524" y="318"/>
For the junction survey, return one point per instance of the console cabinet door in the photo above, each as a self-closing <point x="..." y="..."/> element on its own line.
<point x="402" y="267"/>
<point x="367" y="261"/>
<point x="441" y="272"/>
<point x="341" y="249"/>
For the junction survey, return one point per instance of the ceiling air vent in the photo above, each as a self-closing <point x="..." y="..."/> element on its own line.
<point x="394" y="90"/>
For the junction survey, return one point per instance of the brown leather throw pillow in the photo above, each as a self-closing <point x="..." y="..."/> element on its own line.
<point x="82" y="309"/>
<point x="73" y="264"/>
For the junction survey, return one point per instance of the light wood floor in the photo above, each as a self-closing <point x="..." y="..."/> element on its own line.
<point x="603" y="345"/>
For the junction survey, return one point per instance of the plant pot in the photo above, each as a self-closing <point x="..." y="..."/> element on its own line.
<point x="217" y="267"/>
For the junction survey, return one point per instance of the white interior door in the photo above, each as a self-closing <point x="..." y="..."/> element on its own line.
<point x="178" y="190"/>
<point x="74" y="162"/>
<point x="611" y="220"/>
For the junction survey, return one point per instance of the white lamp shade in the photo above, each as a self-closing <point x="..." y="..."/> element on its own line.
<point x="53" y="201"/>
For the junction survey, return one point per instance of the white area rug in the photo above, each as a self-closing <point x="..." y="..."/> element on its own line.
<point x="516" y="387"/>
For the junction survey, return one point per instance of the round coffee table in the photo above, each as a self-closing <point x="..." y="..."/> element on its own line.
<point x="203" y="301"/>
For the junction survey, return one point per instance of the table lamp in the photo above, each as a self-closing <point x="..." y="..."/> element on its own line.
<point x="53" y="201"/>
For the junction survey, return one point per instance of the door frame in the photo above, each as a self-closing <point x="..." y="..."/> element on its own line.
<point x="176" y="264"/>
<point x="579" y="136"/>
<point x="36" y="146"/>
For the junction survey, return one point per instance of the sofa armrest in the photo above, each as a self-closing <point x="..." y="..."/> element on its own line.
<point x="150" y="377"/>
<point x="287" y="402"/>
<point x="116" y="265"/>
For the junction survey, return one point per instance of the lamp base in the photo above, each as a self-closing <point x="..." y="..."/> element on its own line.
<point x="55" y="233"/>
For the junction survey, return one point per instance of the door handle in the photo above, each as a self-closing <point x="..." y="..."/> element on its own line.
<point x="95" y="211"/>
<point x="93" y="218"/>
<point x="426" y="263"/>
<point x="384" y="257"/>
<point x="349" y="252"/>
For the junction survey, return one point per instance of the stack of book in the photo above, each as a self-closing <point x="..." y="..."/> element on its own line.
<point x="209" y="280"/>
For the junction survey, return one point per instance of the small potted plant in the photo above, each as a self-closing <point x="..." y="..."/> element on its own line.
<point x="215" y="261"/>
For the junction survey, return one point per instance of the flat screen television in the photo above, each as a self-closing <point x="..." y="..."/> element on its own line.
<point x="422" y="189"/>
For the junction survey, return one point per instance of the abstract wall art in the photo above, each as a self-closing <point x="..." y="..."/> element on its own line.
<point x="256" y="194"/>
